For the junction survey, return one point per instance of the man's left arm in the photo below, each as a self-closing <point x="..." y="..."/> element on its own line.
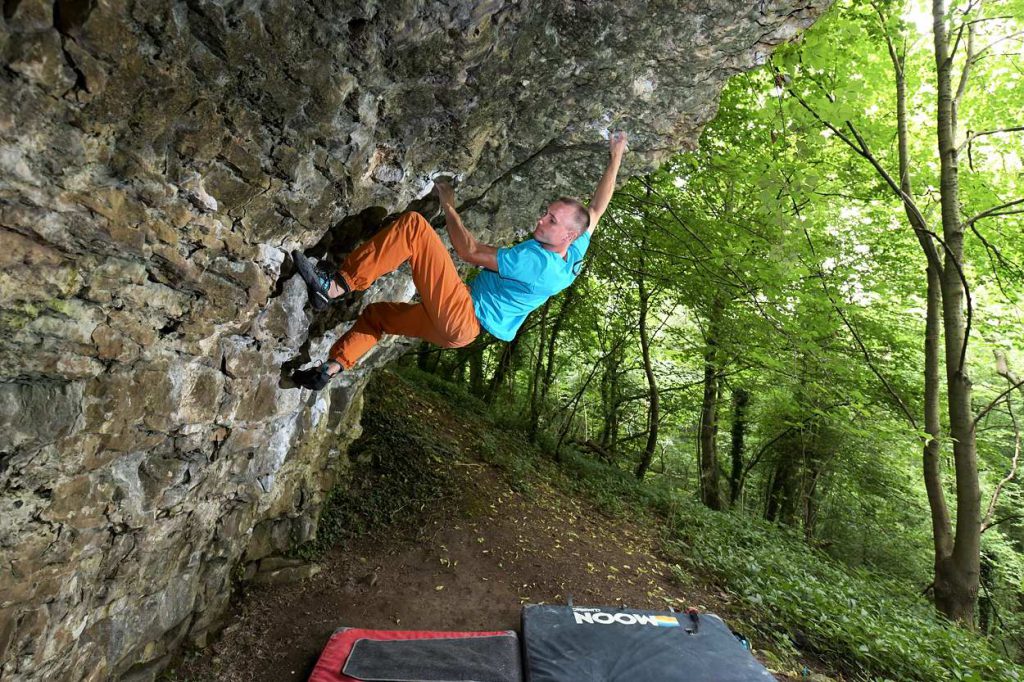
<point x="606" y="187"/>
<point x="466" y="245"/>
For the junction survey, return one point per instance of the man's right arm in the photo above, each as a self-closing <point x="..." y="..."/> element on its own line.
<point x="466" y="245"/>
<point x="606" y="187"/>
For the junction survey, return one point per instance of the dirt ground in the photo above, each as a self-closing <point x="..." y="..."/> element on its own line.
<point x="474" y="559"/>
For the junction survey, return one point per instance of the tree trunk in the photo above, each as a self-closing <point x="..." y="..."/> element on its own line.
<point x="710" y="493"/>
<point x="985" y="606"/>
<point x="476" y="371"/>
<point x="460" y="358"/>
<point x="957" y="576"/>
<point x="782" y="497"/>
<point x="575" y="402"/>
<point x="563" y="311"/>
<point x="953" y="581"/>
<point x="813" y="470"/>
<point x="610" y="401"/>
<point x="423" y="356"/>
<point x="942" y="526"/>
<point x="538" y="369"/>
<point x="770" y="505"/>
<point x="740" y="399"/>
<point x="652" y="385"/>
<point x="502" y="369"/>
<point x="942" y="529"/>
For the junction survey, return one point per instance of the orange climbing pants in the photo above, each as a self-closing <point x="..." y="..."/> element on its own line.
<point x="444" y="316"/>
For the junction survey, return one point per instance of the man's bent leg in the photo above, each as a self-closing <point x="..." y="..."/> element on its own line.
<point x="445" y="297"/>
<point x="445" y="317"/>
<point x="409" y="237"/>
<point x="405" y="319"/>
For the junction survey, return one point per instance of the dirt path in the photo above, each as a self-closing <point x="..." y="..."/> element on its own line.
<point x="475" y="558"/>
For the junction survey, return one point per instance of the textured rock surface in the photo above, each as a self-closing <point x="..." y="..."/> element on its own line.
<point x="157" y="161"/>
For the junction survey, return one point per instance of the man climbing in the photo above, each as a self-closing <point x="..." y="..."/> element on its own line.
<point x="514" y="282"/>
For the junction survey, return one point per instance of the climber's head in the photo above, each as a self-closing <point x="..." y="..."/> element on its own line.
<point x="563" y="221"/>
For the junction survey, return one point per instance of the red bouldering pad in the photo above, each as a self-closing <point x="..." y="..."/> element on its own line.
<point x="417" y="655"/>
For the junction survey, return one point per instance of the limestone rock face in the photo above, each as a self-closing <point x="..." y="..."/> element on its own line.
<point x="159" y="159"/>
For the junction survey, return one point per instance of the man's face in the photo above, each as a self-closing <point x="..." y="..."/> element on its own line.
<point x="554" y="228"/>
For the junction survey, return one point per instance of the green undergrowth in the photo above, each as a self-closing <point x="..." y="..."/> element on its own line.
<point x="874" y="627"/>
<point x="505" y="447"/>
<point x="869" y="626"/>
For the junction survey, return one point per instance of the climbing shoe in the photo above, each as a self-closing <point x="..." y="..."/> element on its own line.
<point x="313" y="378"/>
<point x="318" y="278"/>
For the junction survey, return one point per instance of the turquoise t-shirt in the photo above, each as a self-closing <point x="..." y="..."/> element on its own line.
<point x="528" y="274"/>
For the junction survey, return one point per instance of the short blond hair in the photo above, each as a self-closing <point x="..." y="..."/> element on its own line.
<point x="580" y="216"/>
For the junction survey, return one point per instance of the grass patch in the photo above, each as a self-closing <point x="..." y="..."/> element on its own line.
<point x="871" y="626"/>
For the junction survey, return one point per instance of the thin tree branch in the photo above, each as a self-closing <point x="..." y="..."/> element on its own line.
<point x="593" y="371"/>
<point x="996" y="211"/>
<point x="764" y="448"/>
<point x="971" y="136"/>
<point x="897" y="61"/>
<point x="785" y="432"/>
<point x="964" y="74"/>
<point x="908" y="202"/>
<point x="1013" y="267"/>
<point x="749" y="290"/>
<point x="1009" y="36"/>
<point x="1009" y="476"/>
<point x="1014" y="517"/>
<point x="988" y="408"/>
<point x="949" y="253"/>
<point x="980" y="20"/>
<point x="959" y="35"/>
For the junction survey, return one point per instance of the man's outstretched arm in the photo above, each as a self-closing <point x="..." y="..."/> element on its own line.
<point x="466" y="245"/>
<point x="606" y="187"/>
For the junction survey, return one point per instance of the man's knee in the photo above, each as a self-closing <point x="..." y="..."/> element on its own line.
<point x="415" y="220"/>
<point x="458" y="340"/>
<point x="373" y="316"/>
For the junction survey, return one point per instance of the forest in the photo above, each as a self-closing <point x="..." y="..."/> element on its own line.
<point x="811" y="327"/>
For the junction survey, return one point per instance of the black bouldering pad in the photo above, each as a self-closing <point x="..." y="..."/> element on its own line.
<point x="581" y="644"/>
<point x="493" y="658"/>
